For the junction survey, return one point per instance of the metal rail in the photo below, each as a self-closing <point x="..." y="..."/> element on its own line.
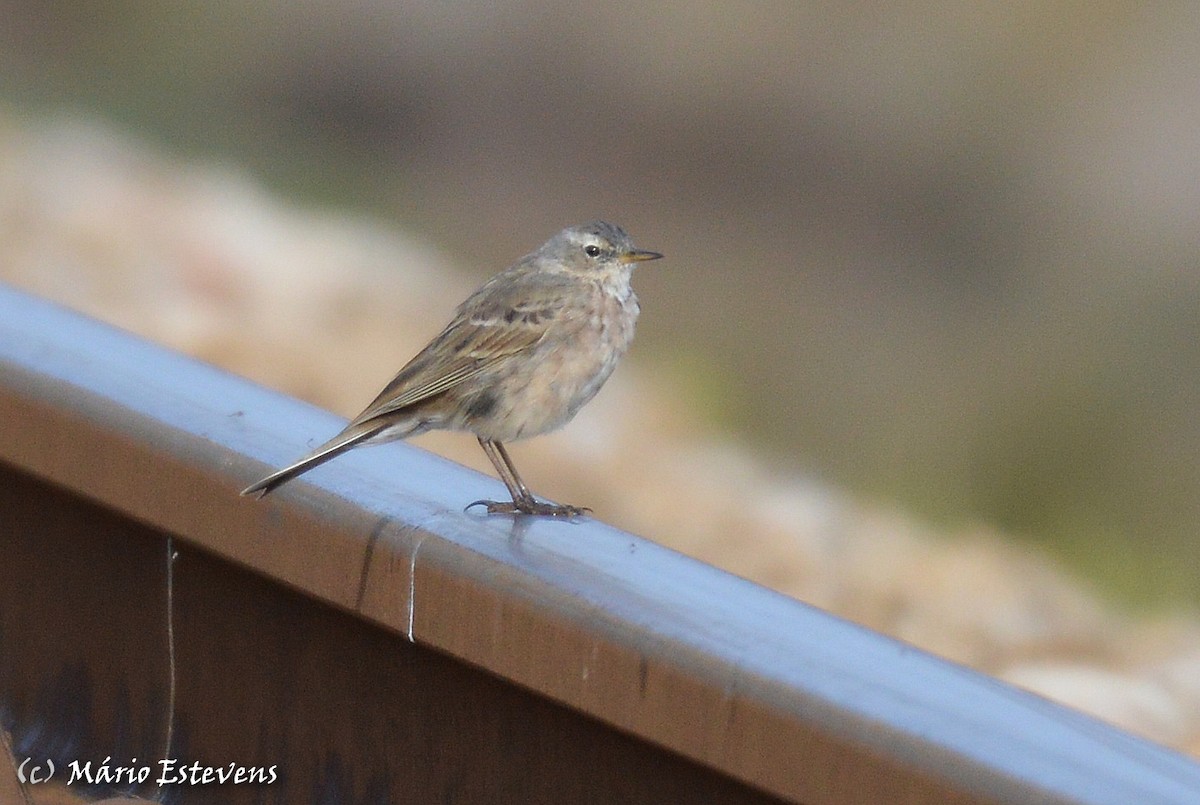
<point x="373" y="641"/>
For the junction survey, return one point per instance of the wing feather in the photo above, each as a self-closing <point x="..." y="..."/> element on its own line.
<point x="497" y="322"/>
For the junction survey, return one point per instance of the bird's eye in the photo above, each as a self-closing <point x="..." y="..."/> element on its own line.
<point x="591" y="250"/>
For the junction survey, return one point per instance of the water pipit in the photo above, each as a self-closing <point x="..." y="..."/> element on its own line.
<point x="521" y="356"/>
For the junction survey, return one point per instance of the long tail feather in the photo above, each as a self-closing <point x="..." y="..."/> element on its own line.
<point x="334" y="447"/>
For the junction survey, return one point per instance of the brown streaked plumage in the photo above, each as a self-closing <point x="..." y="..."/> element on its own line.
<point x="521" y="356"/>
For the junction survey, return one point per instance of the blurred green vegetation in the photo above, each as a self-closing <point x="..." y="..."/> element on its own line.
<point x="946" y="258"/>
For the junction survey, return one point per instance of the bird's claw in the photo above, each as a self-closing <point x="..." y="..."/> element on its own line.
<point x="531" y="507"/>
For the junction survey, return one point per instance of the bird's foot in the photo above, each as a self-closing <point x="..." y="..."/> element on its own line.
<point x="531" y="507"/>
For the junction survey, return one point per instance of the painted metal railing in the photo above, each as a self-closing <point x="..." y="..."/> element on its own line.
<point x="358" y="637"/>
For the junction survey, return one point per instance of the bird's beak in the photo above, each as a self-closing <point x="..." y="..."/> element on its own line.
<point x="638" y="256"/>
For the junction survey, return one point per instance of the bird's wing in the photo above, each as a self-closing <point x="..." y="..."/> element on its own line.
<point x="498" y="321"/>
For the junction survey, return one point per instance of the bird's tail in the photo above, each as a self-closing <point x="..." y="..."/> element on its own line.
<point x="334" y="447"/>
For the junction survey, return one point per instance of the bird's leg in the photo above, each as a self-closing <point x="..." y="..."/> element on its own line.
<point x="523" y="502"/>
<point x="526" y="503"/>
<point x="499" y="457"/>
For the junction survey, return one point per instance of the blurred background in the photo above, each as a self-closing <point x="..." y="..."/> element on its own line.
<point x="942" y="255"/>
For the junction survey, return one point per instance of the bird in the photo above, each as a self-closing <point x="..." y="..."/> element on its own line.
<point x="519" y="358"/>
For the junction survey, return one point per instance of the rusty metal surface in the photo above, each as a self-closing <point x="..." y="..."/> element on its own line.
<point x="334" y="709"/>
<point x="751" y="684"/>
